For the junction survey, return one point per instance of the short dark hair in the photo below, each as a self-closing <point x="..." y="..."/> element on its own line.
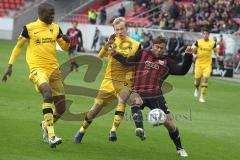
<point x="44" y="6"/>
<point x="159" y="40"/>
<point x="206" y="29"/>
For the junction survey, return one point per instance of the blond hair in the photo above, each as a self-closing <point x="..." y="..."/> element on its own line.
<point x="119" y="20"/>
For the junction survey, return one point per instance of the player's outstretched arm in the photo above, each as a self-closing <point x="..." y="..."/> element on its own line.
<point x="127" y="61"/>
<point x="107" y="46"/>
<point x="176" y="69"/>
<point x="15" y="53"/>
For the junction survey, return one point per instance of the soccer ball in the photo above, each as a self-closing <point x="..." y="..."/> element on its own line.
<point x="156" y="117"/>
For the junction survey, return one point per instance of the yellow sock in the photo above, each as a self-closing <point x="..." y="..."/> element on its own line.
<point x="47" y="109"/>
<point x="119" y="114"/>
<point x="203" y="89"/>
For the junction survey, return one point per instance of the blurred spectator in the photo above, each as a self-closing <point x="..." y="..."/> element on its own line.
<point x="92" y="16"/>
<point x="237" y="33"/>
<point x="237" y="60"/>
<point x="173" y="46"/>
<point x="221" y="51"/>
<point x="146" y="44"/>
<point x="103" y="16"/>
<point x="214" y="55"/>
<point x="192" y="15"/>
<point x="95" y="39"/>
<point x="122" y="11"/>
<point x="136" y="35"/>
<point x="173" y="10"/>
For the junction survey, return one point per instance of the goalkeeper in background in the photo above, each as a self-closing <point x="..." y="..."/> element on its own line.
<point x="42" y="36"/>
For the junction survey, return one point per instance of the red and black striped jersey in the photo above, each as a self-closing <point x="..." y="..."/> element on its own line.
<point x="74" y="34"/>
<point x="151" y="71"/>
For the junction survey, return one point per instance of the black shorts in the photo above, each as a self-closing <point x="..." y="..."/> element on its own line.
<point x="156" y="102"/>
<point x="72" y="49"/>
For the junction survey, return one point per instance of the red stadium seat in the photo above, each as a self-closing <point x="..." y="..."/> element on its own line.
<point x="17" y="1"/>
<point x="6" y="5"/>
<point x="1" y="5"/>
<point x="12" y="5"/>
<point x="18" y="6"/>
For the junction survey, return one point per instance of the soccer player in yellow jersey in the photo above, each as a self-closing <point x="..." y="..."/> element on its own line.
<point x="203" y="63"/>
<point x="42" y="36"/>
<point x="118" y="79"/>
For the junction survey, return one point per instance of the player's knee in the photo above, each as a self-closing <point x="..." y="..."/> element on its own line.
<point x="205" y="80"/>
<point x="47" y="97"/>
<point x="136" y="101"/>
<point x="95" y="110"/>
<point x="60" y="108"/>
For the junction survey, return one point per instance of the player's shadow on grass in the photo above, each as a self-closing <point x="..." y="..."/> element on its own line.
<point x="95" y="65"/>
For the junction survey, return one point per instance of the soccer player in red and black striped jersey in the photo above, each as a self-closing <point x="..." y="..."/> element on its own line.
<point x="75" y="36"/>
<point x="151" y="69"/>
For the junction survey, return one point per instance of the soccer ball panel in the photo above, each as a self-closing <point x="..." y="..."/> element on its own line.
<point x="156" y="117"/>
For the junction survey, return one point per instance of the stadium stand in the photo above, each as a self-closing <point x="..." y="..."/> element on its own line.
<point x="81" y="15"/>
<point x="185" y="15"/>
<point x="190" y="15"/>
<point x="13" y="8"/>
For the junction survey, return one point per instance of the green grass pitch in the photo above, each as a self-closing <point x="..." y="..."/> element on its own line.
<point x="209" y="131"/>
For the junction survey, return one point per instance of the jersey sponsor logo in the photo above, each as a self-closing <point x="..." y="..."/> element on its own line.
<point x="206" y="49"/>
<point x="44" y="40"/>
<point x="126" y="45"/>
<point x="37" y="41"/>
<point x="73" y="33"/>
<point x="149" y="64"/>
<point x="161" y="62"/>
<point x="48" y="40"/>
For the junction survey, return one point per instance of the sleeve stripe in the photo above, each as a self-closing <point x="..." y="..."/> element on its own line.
<point x="25" y="32"/>
<point x="60" y="33"/>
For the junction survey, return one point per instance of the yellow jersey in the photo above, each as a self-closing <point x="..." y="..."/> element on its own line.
<point x="115" y="70"/>
<point x="204" y="51"/>
<point x="41" y="49"/>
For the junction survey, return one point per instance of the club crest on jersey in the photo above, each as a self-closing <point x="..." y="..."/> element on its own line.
<point x="161" y="62"/>
<point x="126" y="45"/>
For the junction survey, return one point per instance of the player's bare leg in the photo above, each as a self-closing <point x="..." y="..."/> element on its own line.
<point x="175" y="136"/>
<point x="73" y="63"/>
<point x="96" y="108"/>
<point x="47" y="109"/>
<point x="60" y="107"/>
<point x="197" y="84"/>
<point x="204" y="86"/>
